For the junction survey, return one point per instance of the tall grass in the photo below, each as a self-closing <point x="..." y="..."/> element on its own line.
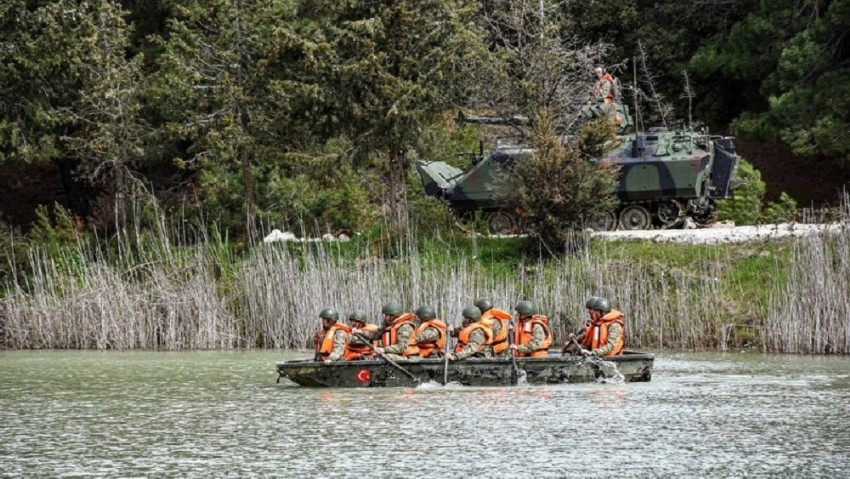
<point x="811" y="313"/>
<point x="168" y="289"/>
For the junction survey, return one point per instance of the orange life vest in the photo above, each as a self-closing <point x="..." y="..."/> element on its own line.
<point x="598" y="332"/>
<point x="426" y="349"/>
<point x="357" y="351"/>
<point x="325" y="342"/>
<point x="463" y="336"/>
<point x="500" y="341"/>
<point x="587" y="340"/>
<point x="523" y="335"/>
<point x="390" y="336"/>
<point x="609" y="95"/>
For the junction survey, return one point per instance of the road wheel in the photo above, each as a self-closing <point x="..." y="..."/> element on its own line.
<point x="603" y="222"/>
<point x="501" y="223"/>
<point x="635" y="217"/>
<point x="670" y="214"/>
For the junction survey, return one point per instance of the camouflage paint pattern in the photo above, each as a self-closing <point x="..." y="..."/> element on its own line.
<point x="660" y="170"/>
<point x="555" y="369"/>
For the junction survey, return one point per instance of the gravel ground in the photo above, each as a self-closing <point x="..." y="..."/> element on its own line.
<point x="724" y="233"/>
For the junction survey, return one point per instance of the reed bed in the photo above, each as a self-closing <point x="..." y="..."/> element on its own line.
<point x="811" y="313"/>
<point x="170" y="290"/>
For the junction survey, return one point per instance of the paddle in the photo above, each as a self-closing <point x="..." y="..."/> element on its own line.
<point x="446" y="359"/>
<point x="385" y="358"/>
<point x="515" y="372"/>
<point x="575" y="343"/>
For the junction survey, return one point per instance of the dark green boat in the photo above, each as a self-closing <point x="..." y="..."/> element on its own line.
<point x="631" y="366"/>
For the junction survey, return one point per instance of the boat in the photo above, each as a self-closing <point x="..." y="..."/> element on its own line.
<point x="631" y="366"/>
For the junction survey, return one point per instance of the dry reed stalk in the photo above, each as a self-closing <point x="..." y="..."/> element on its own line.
<point x="169" y="292"/>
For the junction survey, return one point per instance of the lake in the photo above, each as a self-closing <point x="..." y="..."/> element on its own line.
<point x="221" y="414"/>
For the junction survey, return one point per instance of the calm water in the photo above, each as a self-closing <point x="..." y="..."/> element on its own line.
<point x="95" y="414"/>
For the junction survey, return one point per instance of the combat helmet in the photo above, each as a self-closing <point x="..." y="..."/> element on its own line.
<point x="484" y="304"/>
<point x="393" y="309"/>
<point x="426" y="313"/>
<point x="357" y="315"/>
<point x="329" y="313"/>
<point x="471" y="312"/>
<point x="603" y="305"/>
<point x="526" y="308"/>
<point x="591" y="302"/>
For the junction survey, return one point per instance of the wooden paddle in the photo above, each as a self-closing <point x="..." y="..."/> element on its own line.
<point x="515" y="371"/>
<point x="575" y="343"/>
<point x="446" y="358"/>
<point x="385" y="358"/>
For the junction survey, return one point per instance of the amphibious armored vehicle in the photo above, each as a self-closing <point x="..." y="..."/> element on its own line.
<point x="666" y="176"/>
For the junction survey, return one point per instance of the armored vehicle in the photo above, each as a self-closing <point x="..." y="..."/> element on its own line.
<point x="666" y="176"/>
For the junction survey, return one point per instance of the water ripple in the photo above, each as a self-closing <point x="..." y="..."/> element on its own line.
<point x="94" y="414"/>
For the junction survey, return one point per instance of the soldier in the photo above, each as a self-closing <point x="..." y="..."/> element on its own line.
<point x="473" y="338"/>
<point x="330" y="341"/>
<point x="605" y="87"/>
<point x="357" y="348"/>
<point x="398" y="340"/>
<point x="574" y="340"/>
<point x="532" y="338"/>
<point x="431" y="333"/>
<point x="497" y="320"/>
<point x="606" y="334"/>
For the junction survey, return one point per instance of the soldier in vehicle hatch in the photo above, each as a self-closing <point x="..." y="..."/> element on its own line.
<point x="330" y="341"/>
<point x="605" y="88"/>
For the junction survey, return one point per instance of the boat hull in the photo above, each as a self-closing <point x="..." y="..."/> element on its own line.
<point x="631" y="365"/>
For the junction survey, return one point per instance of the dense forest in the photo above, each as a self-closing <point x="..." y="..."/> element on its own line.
<point x="146" y="148"/>
<point x="307" y="115"/>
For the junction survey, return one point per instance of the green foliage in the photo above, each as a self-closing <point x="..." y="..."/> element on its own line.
<point x="215" y="89"/>
<point x="790" y="60"/>
<point x="57" y="234"/>
<point x="68" y="88"/>
<point x="782" y="210"/>
<point x="558" y="190"/>
<point x="13" y="255"/>
<point x="309" y="194"/>
<point x="387" y="70"/>
<point x="746" y="206"/>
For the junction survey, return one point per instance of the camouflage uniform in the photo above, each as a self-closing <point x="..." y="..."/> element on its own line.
<point x="615" y="331"/>
<point x="396" y="351"/>
<point x="496" y="327"/>
<point x="430" y="335"/>
<point x="538" y="334"/>
<point x="477" y="338"/>
<point x="340" y="338"/>
<point x="369" y="335"/>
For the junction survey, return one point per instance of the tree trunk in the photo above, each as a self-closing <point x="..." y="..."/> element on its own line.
<point x="398" y="191"/>
<point x="119" y="183"/>
<point x="250" y="209"/>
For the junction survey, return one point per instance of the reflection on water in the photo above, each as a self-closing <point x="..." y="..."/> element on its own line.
<point x="212" y="414"/>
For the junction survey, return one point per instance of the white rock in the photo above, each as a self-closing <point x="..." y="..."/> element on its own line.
<point x="328" y="237"/>
<point x="277" y="235"/>
<point x="343" y="237"/>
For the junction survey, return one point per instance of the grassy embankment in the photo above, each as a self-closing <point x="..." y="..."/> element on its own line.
<point x="157" y="292"/>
